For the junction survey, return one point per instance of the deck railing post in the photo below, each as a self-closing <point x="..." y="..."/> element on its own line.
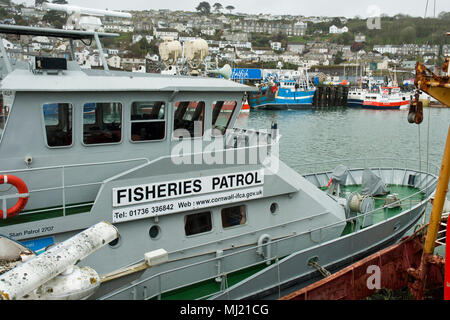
<point x="5" y="214"/>
<point x="63" y="192"/>
<point x="159" y="287"/>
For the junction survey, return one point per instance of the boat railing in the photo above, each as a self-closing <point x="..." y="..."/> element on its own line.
<point x="154" y="286"/>
<point x="63" y="187"/>
<point x="237" y="138"/>
<point x="250" y="138"/>
<point x="387" y="162"/>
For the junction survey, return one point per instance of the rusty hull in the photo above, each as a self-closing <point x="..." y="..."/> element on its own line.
<point x="394" y="262"/>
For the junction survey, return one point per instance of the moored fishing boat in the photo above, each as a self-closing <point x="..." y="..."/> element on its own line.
<point x="387" y="98"/>
<point x="283" y="94"/>
<point x="356" y="97"/>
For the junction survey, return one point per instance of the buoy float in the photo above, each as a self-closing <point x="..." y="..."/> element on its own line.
<point x="329" y="182"/>
<point x="21" y="188"/>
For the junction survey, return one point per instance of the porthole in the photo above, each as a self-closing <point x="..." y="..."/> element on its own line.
<point x="115" y="242"/>
<point x="274" y="208"/>
<point x="154" y="232"/>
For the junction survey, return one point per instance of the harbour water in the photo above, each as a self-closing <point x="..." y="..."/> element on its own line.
<point x="309" y="136"/>
<point x="322" y="135"/>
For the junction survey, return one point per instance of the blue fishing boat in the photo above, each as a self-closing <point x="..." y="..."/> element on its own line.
<point x="278" y="94"/>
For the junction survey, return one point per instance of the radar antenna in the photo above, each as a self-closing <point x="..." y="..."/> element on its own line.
<point x="81" y="18"/>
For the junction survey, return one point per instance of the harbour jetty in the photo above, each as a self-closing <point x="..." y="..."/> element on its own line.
<point x="330" y="96"/>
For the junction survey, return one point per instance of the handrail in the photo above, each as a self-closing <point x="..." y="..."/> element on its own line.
<point x="72" y="165"/>
<point x="63" y="186"/>
<point x="329" y="162"/>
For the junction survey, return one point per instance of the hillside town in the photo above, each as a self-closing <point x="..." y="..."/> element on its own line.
<point x="323" y="44"/>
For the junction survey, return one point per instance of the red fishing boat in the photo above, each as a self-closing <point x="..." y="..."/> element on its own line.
<point x="387" y="98"/>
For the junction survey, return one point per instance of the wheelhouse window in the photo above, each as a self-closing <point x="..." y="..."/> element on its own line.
<point x="188" y="119"/>
<point x="148" y="121"/>
<point x="58" y="124"/>
<point x="234" y="216"/>
<point x="102" y="123"/>
<point x="197" y="223"/>
<point x="221" y="116"/>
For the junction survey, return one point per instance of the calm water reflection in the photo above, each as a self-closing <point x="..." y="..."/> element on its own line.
<point x="341" y="133"/>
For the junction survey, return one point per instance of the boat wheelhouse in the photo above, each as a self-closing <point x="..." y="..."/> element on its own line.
<point x="159" y="157"/>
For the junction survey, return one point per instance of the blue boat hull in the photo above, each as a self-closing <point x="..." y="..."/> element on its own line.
<point x="355" y="103"/>
<point x="283" y="99"/>
<point x="381" y="108"/>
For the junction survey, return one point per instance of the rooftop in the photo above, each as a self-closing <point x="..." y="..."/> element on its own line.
<point x="77" y="79"/>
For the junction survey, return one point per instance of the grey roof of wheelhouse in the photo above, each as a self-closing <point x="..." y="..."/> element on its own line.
<point x="77" y="79"/>
<point x="107" y="81"/>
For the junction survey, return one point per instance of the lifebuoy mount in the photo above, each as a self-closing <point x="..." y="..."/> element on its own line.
<point x="21" y="188"/>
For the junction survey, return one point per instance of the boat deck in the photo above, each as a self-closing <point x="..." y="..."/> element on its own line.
<point x="404" y="192"/>
<point x="205" y="289"/>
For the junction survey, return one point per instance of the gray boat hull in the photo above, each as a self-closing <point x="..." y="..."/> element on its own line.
<point x="287" y="258"/>
<point x="293" y="272"/>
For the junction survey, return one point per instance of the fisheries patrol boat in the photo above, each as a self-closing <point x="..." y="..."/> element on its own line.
<point x="278" y="94"/>
<point x="194" y="207"/>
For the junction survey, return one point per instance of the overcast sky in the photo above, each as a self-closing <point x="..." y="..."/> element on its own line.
<point x="346" y="8"/>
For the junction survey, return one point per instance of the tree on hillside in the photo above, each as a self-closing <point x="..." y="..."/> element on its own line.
<point x="337" y="22"/>
<point x="229" y="8"/>
<point x="38" y="3"/>
<point x="217" y="7"/>
<point x="444" y="15"/>
<point x="55" y="18"/>
<point x="204" y="7"/>
<point x="408" y="34"/>
<point x="338" y="58"/>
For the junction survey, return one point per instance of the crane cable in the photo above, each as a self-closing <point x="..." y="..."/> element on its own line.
<point x="428" y="132"/>
<point x="428" y="162"/>
<point x="428" y="135"/>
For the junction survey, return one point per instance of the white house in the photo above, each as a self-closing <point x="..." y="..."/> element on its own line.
<point x="267" y="57"/>
<point x="300" y="28"/>
<point x="296" y="47"/>
<point x="291" y="58"/>
<point x="151" y="57"/>
<point x="335" y="30"/>
<point x="114" y="61"/>
<point x="138" y="37"/>
<point x="166" y="33"/>
<point x="208" y="32"/>
<point x="8" y="45"/>
<point x="81" y="56"/>
<point x="112" y="51"/>
<point x="275" y="45"/>
<point x="360" y="38"/>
